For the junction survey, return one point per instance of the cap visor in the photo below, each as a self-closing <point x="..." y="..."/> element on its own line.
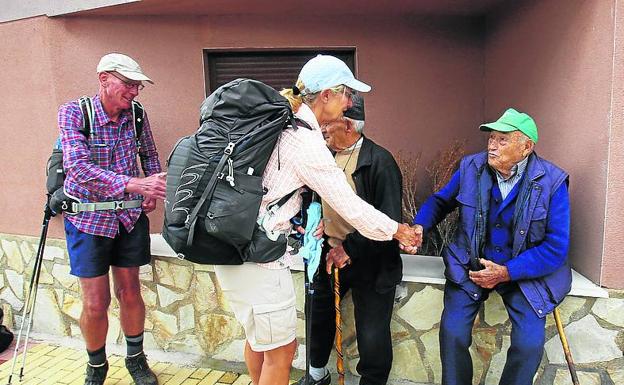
<point x="136" y="76"/>
<point x="497" y="126"/>
<point x="357" y="85"/>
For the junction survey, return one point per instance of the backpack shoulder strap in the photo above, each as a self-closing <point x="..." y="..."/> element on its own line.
<point x="138" y="113"/>
<point x="295" y="122"/>
<point x="88" y="115"/>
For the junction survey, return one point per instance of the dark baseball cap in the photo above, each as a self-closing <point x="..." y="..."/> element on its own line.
<point x="356" y="112"/>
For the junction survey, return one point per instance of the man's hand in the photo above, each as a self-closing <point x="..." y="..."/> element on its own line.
<point x="407" y="236"/>
<point x="337" y="257"/>
<point x="149" y="204"/>
<point x="419" y="234"/>
<point x="492" y="275"/>
<point x="153" y="186"/>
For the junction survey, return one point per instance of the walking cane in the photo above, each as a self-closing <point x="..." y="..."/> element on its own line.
<point x="566" y="348"/>
<point x="309" y="297"/>
<point x="31" y="296"/>
<point x="339" y="358"/>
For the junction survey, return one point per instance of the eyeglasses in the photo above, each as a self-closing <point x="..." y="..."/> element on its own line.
<point x="348" y="92"/>
<point x="129" y="85"/>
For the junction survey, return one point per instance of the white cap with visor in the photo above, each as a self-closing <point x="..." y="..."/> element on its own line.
<point x="325" y="71"/>
<point x="123" y="65"/>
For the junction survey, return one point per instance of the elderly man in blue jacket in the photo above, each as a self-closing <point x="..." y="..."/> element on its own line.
<point x="513" y="237"/>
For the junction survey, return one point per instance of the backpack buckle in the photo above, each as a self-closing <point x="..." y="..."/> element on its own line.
<point x="229" y="149"/>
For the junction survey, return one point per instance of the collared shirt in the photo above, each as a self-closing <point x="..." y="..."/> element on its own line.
<point x="98" y="169"/>
<point x="304" y="159"/>
<point x="506" y="185"/>
<point x="336" y="228"/>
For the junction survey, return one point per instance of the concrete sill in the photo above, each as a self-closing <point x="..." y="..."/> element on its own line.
<point x="419" y="269"/>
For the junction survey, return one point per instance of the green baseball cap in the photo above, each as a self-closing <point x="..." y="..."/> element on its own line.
<point x="513" y="120"/>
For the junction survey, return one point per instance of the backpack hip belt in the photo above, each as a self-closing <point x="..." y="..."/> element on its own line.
<point x="75" y="207"/>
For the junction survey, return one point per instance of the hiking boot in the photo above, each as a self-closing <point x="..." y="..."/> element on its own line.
<point x="96" y="374"/>
<point x="140" y="371"/>
<point x="326" y="380"/>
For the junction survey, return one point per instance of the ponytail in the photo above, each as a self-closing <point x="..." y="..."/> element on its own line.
<point x="293" y="95"/>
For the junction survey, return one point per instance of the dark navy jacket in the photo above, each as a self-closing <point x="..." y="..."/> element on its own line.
<point x="541" y="228"/>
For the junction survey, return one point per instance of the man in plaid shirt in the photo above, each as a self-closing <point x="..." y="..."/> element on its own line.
<point x="100" y="168"/>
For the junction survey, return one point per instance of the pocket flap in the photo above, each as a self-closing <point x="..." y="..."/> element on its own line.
<point x="273" y="307"/>
<point x="466" y="199"/>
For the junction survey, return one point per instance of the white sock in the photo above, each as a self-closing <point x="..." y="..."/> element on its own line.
<point x="317" y="373"/>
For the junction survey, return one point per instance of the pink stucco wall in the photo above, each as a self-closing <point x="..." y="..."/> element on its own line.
<point x="434" y="79"/>
<point x="553" y="60"/>
<point x="426" y="76"/>
<point x="613" y="261"/>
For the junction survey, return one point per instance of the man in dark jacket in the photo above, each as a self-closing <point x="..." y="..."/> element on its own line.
<point x="371" y="269"/>
<point x="513" y="237"/>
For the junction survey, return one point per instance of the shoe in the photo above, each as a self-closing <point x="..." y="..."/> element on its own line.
<point x="96" y="374"/>
<point x="326" y="380"/>
<point x="140" y="371"/>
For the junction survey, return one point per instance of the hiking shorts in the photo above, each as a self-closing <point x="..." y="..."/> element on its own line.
<point x="92" y="255"/>
<point x="263" y="300"/>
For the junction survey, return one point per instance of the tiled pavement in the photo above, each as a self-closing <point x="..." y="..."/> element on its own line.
<point x="49" y="364"/>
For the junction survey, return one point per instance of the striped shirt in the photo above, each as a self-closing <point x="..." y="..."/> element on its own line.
<point x="98" y="169"/>
<point x="305" y="160"/>
<point x="506" y="185"/>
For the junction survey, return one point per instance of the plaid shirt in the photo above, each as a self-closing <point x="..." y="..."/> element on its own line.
<point x="304" y="159"/>
<point x="98" y="169"/>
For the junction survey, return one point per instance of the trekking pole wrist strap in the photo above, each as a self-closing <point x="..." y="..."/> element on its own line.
<point x="113" y="205"/>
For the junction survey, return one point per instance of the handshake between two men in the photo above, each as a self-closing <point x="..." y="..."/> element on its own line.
<point x="410" y="237"/>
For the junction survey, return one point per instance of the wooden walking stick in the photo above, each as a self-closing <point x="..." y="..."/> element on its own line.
<point x="566" y="348"/>
<point x="339" y="359"/>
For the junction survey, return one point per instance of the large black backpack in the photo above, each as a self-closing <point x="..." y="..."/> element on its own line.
<point x="214" y="177"/>
<point x="55" y="174"/>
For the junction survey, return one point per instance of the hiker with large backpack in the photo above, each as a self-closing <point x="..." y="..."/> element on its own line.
<point x="260" y="290"/>
<point x="106" y="226"/>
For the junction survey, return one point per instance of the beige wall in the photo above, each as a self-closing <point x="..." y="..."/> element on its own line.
<point x="426" y="77"/>
<point x="553" y="59"/>
<point x="613" y="261"/>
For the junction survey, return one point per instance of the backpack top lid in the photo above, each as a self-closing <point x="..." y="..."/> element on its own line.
<point x="241" y="99"/>
<point x="241" y="111"/>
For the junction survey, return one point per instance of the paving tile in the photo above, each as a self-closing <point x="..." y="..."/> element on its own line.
<point x="211" y="378"/>
<point x="180" y="375"/>
<point x="242" y="379"/>
<point x="228" y="378"/>
<point x="200" y="373"/>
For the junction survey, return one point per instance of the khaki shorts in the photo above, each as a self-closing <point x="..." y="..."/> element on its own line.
<point x="263" y="300"/>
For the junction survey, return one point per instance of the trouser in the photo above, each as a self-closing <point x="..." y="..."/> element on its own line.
<point x="527" y="336"/>
<point x="372" y="311"/>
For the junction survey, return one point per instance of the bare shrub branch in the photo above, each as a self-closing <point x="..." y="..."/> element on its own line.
<point x="439" y="172"/>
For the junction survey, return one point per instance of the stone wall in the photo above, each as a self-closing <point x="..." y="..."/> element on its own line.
<point x="186" y="312"/>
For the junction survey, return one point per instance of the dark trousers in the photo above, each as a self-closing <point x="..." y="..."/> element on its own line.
<point x="372" y="312"/>
<point x="527" y="336"/>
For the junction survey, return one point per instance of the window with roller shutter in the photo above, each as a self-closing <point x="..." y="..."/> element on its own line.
<point x="277" y="68"/>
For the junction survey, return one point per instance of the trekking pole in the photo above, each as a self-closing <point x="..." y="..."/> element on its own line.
<point x="339" y="358"/>
<point x="566" y="348"/>
<point x="31" y="297"/>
